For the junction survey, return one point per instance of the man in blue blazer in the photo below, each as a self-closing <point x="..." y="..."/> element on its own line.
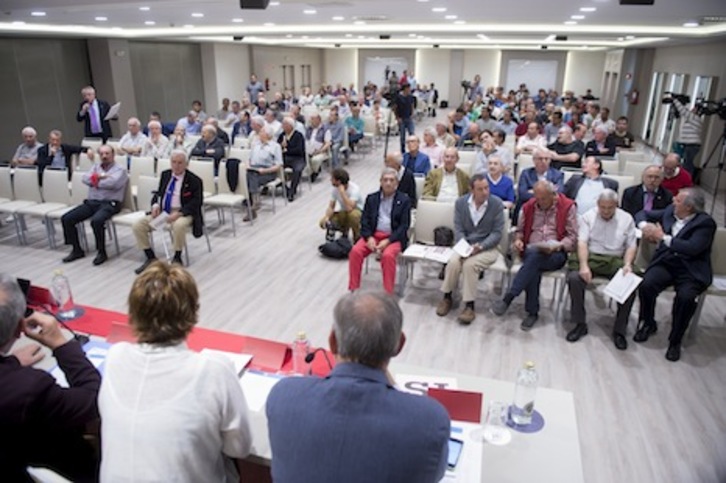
<point x="683" y="259"/>
<point x="354" y="426"/>
<point x="383" y="229"/>
<point x="479" y="219"/>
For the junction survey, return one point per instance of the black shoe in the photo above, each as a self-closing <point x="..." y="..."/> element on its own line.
<point x="674" y="352"/>
<point x="644" y="332"/>
<point x="144" y="265"/>
<point x="619" y="341"/>
<point x="499" y="307"/>
<point x="74" y="255"/>
<point x="528" y="322"/>
<point x="290" y="197"/>
<point x="177" y="260"/>
<point x="577" y="333"/>
<point x="314" y="176"/>
<point x="100" y="258"/>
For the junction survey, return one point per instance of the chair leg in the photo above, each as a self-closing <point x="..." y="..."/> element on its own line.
<point x="18" y="229"/>
<point x="186" y="252"/>
<point x="115" y="238"/>
<point x="206" y="235"/>
<point x="696" y="317"/>
<point x="234" y="224"/>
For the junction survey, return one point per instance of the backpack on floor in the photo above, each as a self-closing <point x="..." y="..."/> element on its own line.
<point x="337" y="249"/>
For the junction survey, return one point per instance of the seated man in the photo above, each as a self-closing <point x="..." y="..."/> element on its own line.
<point x="443" y="136"/>
<point x="541" y="171"/>
<point x="601" y="144"/>
<point x="415" y="160"/>
<point x="546" y="233"/>
<point x="107" y="187"/>
<point x="488" y="148"/>
<point x="197" y="108"/>
<point x="648" y="195"/>
<point x="406" y="181"/>
<point x="470" y="139"/>
<point x="530" y="141"/>
<point x="552" y="128"/>
<point x="384" y="230"/>
<point x="356" y="405"/>
<point x="156" y="143"/>
<point x="336" y="128"/>
<point x="27" y="152"/>
<point x="459" y="124"/>
<point x="317" y="144"/>
<point x="604" y="121"/>
<point x="507" y="123"/>
<point x="347" y="197"/>
<point x="566" y="151"/>
<point x="132" y="143"/>
<point x="190" y="123"/>
<point x="479" y="219"/>
<point x="500" y="185"/>
<point x="270" y="117"/>
<point x="684" y="233"/>
<point x="585" y="188"/>
<point x="293" y="154"/>
<point x="179" y="196"/>
<point x="264" y="166"/>
<point x="43" y="423"/>
<point x="448" y="182"/>
<point x="178" y="140"/>
<point x="485" y="121"/>
<point x="355" y="126"/>
<point x="57" y="154"/>
<point x="621" y="138"/>
<point x="221" y="133"/>
<point x="507" y="158"/>
<point x="675" y="177"/>
<point x="606" y="243"/>
<point x="209" y="146"/>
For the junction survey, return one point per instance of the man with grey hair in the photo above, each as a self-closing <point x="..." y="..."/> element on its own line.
<point x="443" y="136"/>
<point x="42" y="422"/>
<point x="384" y="230"/>
<point x="27" y="152"/>
<point x="406" y="181"/>
<point x="58" y="155"/>
<point x="263" y="167"/>
<point x="684" y="234"/>
<point x="132" y="143"/>
<point x="675" y="177"/>
<point x="209" y="146"/>
<point x="318" y="142"/>
<point x="376" y="432"/>
<point x="156" y="143"/>
<point x="292" y="144"/>
<point x="606" y="243"/>
<point x="92" y="113"/>
<point x="649" y="194"/>
<point x="601" y="144"/>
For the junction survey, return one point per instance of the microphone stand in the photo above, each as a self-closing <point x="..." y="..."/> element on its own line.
<point x="311" y="356"/>
<point x="82" y="339"/>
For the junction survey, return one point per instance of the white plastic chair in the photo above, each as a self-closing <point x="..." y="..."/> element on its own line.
<point x="22" y="196"/>
<point x="231" y="199"/>
<point x="56" y="196"/>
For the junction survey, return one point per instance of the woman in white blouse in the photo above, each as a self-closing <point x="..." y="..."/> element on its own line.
<point x="168" y="413"/>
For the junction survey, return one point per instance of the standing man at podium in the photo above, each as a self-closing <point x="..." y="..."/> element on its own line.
<point x="92" y="112"/>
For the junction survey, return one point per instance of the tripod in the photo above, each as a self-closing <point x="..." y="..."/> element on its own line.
<point x="722" y="142"/>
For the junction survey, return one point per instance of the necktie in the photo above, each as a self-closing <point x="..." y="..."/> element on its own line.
<point x="95" y="124"/>
<point x="648" y="201"/>
<point x="169" y="194"/>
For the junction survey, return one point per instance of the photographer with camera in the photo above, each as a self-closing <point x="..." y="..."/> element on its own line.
<point x="689" y="133"/>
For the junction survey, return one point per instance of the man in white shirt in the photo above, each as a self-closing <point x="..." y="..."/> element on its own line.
<point x="530" y="141"/>
<point x="156" y="144"/>
<point x="318" y="141"/>
<point x="132" y="143"/>
<point x="345" y="207"/>
<point x="606" y="242"/>
<point x="271" y="120"/>
<point x="264" y="166"/>
<point x="27" y="152"/>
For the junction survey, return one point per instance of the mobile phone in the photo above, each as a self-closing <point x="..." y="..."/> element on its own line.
<point x="455" y="446"/>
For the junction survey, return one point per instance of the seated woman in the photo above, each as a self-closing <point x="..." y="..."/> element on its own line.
<point x="168" y="412"/>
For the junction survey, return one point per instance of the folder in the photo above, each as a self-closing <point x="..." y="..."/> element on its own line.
<point x="461" y="405"/>
<point x="266" y="354"/>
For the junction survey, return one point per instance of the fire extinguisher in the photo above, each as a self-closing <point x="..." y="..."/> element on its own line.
<point x="267" y="83"/>
<point x="633" y="97"/>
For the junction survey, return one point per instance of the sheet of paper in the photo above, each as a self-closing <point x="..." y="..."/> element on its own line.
<point x="419" y="385"/>
<point x="256" y="386"/>
<point x="546" y="244"/>
<point x="96" y="352"/>
<point x="113" y="112"/>
<point x="719" y="283"/>
<point x="439" y="254"/>
<point x="463" y="248"/>
<point x="621" y="286"/>
<point x="160" y="221"/>
<point x="239" y="361"/>
<point x="469" y="467"/>
<point x="415" y="250"/>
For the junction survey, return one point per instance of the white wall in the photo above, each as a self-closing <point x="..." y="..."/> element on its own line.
<point x="432" y="65"/>
<point x="340" y="65"/>
<point x="584" y="71"/>
<point x="267" y="62"/>
<point x="485" y="63"/>
<point x="232" y="66"/>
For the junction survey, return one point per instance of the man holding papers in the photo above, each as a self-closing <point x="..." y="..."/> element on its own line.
<point x="684" y="234"/>
<point x="478" y="227"/>
<point x="92" y="113"/>
<point x="606" y="243"/>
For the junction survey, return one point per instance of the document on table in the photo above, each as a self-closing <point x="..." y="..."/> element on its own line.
<point x="425" y="252"/>
<point x="621" y="286"/>
<point x="463" y="248"/>
<point x="420" y="385"/>
<point x="256" y="386"/>
<point x="113" y="112"/>
<point x="96" y="352"/>
<point x="239" y="361"/>
<point x="160" y="221"/>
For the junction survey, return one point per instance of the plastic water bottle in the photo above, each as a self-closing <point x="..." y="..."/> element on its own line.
<point x="524" y="392"/>
<point x="60" y="289"/>
<point x="300" y="349"/>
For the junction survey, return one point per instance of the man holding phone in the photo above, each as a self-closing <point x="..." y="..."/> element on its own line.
<point x="42" y="423"/>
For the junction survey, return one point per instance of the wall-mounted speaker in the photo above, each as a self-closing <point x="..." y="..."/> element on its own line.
<point x="254" y="4"/>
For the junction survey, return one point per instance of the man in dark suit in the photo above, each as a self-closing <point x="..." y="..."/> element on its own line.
<point x="601" y="145"/>
<point x="92" y="112"/>
<point x="57" y="154"/>
<point x="42" y="423"/>
<point x="683" y="259"/>
<point x="292" y="143"/>
<point x="384" y="230"/>
<point x="209" y="146"/>
<point x="180" y="197"/>
<point x="593" y="183"/>
<point x="377" y="434"/>
<point x="406" y="181"/>
<point x="648" y="195"/>
<point x="479" y="219"/>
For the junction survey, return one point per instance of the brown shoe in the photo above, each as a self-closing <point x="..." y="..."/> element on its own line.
<point x="467" y="316"/>
<point x="247" y="216"/>
<point x="444" y="307"/>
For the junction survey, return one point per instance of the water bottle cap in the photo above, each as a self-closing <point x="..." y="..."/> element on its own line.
<point x="58" y="271"/>
<point x="529" y="365"/>
<point x="301" y="335"/>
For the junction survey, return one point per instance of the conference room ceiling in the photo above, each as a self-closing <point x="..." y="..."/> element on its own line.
<point x="520" y="24"/>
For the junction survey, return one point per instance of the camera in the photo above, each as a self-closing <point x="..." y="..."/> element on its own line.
<point x="465" y="84"/>
<point x="682" y="98"/>
<point x="709" y="108"/>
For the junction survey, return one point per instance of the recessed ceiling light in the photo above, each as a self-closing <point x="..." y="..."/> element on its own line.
<point x="18" y="22"/>
<point x="361" y="36"/>
<point x="451" y="17"/>
<point x="577" y="17"/>
<point x="459" y="22"/>
<point x="620" y="39"/>
<point x="570" y="22"/>
<point x="411" y="35"/>
<point x="274" y="4"/>
<point x="338" y="18"/>
<point x="149" y="22"/>
<point x="349" y="35"/>
<point x="37" y="14"/>
<point x="482" y="36"/>
<point x="188" y="26"/>
<point x="268" y="24"/>
<point x="585" y="46"/>
<point x="550" y="38"/>
<point x="288" y="36"/>
<point x="144" y="9"/>
<point x="305" y="37"/>
<point x="690" y="24"/>
<point x="630" y="37"/>
<point x="438" y="9"/>
<point x="101" y="19"/>
<point x="310" y="11"/>
<point x="423" y="1"/>
<point x="197" y="15"/>
<point x="588" y="9"/>
<point x="237" y="20"/>
<point x="359" y="22"/>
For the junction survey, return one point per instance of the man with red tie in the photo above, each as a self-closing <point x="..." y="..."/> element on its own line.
<point x="179" y="197"/>
<point x="92" y="113"/>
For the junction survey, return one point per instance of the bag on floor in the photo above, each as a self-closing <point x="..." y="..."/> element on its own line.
<point x="337" y="249"/>
<point x="443" y="236"/>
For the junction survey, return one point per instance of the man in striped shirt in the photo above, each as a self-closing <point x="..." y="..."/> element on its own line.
<point x="689" y="134"/>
